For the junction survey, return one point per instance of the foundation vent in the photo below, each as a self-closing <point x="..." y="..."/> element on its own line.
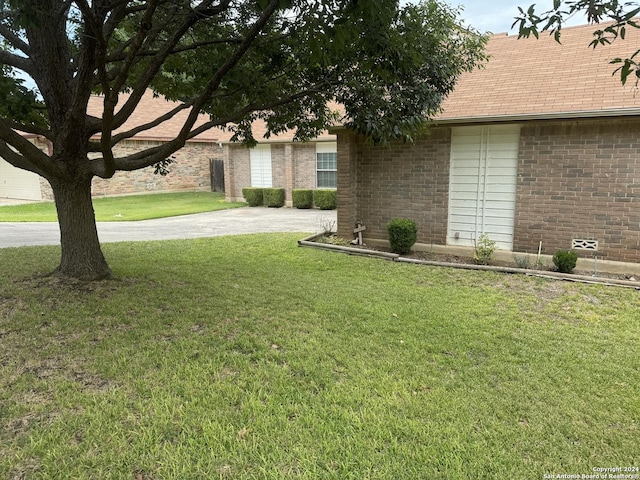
<point x="584" y="244"/>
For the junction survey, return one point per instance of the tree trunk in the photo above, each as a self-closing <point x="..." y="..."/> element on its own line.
<point x="82" y="256"/>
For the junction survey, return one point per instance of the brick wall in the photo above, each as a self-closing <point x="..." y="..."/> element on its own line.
<point x="580" y="180"/>
<point x="278" y="168"/>
<point x="293" y="166"/>
<point x="305" y="166"/>
<point x="237" y="171"/>
<point x="400" y="180"/>
<point x="190" y="172"/>
<point x="347" y="198"/>
<point x="575" y="180"/>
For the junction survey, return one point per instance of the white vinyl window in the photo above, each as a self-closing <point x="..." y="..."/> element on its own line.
<point x="327" y="165"/>
<point x="260" y="159"/>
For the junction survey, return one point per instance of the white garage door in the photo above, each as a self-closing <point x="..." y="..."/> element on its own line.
<point x="482" y="190"/>
<point x="18" y="183"/>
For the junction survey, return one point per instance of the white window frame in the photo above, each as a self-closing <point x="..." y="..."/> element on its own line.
<point x="323" y="148"/>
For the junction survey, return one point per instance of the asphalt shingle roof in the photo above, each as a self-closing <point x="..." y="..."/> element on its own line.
<point x="149" y="109"/>
<point x="523" y="79"/>
<point x="540" y="78"/>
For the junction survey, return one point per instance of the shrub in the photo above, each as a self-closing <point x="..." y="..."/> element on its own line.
<point x="273" y="197"/>
<point x="253" y="196"/>
<point x="302" y="198"/>
<point x="565" y="260"/>
<point x="328" y="226"/>
<point x="484" y="249"/>
<point x="402" y="235"/>
<point x="325" y="199"/>
<point x="335" y="240"/>
<point x="522" y="261"/>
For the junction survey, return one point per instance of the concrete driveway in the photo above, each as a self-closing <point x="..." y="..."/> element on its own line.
<point x="235" y="221"/>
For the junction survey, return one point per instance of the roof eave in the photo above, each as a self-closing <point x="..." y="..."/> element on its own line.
<point x="521" y="117"/>
<point x="160" y="139"/>
<point x="326" y="138"/>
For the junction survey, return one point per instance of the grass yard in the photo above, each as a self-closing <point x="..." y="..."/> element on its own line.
<point x="132" y="207"/>
<point x="250" y="358"/>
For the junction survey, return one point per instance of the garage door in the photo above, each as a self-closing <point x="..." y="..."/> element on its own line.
<point x="482" y="190"/>
<point x="18" y="183"/>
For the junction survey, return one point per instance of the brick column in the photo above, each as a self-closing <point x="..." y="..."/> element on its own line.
<point x="229" y="179"/>
<point x="289" y="174"/>
<point x="347" y="179"/>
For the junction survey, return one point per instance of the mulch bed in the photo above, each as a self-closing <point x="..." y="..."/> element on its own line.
<point x="462" y="260"/>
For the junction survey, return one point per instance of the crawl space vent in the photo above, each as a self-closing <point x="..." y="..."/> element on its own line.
<point x="584" y="244"/>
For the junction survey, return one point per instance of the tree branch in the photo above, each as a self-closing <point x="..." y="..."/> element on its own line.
<point x="153" y="68"/>
<point x="115" y="139"/>
<point x="91" y="46"/>
<point x="16" y="61"/>
<point x="119" y="12"/>
<point x="227" y="66"/>
<point x="145" y="158"/>
<point x="32" y="129"/>
<point x="147" y="126"/>
<point x="14" y="40"/>
<point x="145" y="27"/>
<point x="186" y="48"/>
<point x="94" y="51"/>
<point x="21" y="144"/>
<point x="17" y="160"/>
<point x="154" y="155"/>
<point x="20" y="152"/>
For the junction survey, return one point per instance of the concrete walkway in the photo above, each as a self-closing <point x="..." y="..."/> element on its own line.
<point x="235" y="221"/>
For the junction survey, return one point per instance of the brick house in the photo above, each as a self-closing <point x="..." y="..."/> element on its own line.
<point x="281" y="163"/>
<point x="190" y="172"/>
<point x="540" y="148"/>
<point x="21" y="184"/>
<point x="278" y="162"/>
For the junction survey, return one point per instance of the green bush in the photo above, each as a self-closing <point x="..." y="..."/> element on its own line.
<point x="302" y="198"/>
<point x="403" y="233"/>
<point x="253" y="196"/>
<point x="484" y="249"/>
<point x="273" y="197"/>
<point x="325" y="199"/>
<point x="565" y="260"/>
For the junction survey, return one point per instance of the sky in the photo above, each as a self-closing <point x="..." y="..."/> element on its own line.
<point x="497" y="16"/>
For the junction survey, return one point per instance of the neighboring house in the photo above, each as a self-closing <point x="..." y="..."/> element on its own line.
<point x="281" y="163"/>
<point x="21" y="184"/>
<point x="193" y="169"/>
<point x="539" y="148"/>
<point x="208" y="162"/>
<point x="194" y="163"/>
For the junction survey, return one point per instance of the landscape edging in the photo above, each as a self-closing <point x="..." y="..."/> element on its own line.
<point x="310" y="242"/>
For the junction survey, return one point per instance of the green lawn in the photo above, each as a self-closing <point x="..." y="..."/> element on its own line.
<point x="250" y="358"/>
<point x="133" y="207"/>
